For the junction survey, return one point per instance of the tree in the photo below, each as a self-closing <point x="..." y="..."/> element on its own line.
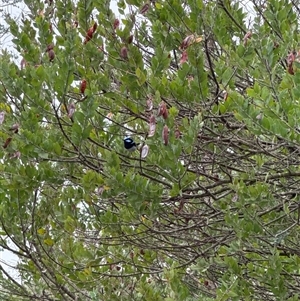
<point x="208" y="207"/>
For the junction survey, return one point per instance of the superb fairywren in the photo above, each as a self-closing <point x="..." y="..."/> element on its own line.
<point x="129" y="144"/>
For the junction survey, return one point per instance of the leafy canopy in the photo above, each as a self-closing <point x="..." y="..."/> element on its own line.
<point x="207" y="208"/>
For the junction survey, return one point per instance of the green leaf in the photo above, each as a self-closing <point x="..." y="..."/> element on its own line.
<point x="57" y="148"/>
<point x="141" y="76"/>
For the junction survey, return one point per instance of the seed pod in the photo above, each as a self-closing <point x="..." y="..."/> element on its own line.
<point x="2" y="116"/>
<point x="144" y="151"/>
<point x="7" y="142"/>
<point x="116" y="24"/>
<point x="50" y="47"/>
<point x="165" y="135"/>
<point x="51" y="55"/>
<point x="149" y="103"/>
<point x="290" y="70"/>
<point x="95" y="27"/>
<point x="83" y="86"/>
<point x="17" y="155"/>
<point x="130" y="39"/>
<point x="152" y="126"/>
<point x="247" y="37"/>
<point x="71" y="109"/>
<point x="15" y="128"/>
<point x="124" y="52"/>
<point x="177" y="134"/>
<point x="187" y="42"/>
<point x="90" y="32"/>
<point x="144" y="9"/>
<point x="162" y="108"/>
<point x="291" y="58"/>
<point x="87" y="38"/>
<point x="23" y="63"/>
<point x="152" y="119"/>
<point x="165" y="114"/>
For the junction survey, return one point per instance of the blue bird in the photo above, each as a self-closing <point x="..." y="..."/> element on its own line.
<point x="129" y="144"/>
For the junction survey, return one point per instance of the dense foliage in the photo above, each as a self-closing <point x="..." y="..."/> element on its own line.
<point x="211" y="212"/>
